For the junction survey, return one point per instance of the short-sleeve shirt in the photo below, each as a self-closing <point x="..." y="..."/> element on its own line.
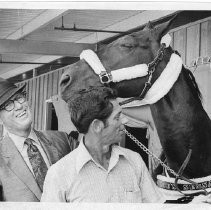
<point x="78" y="178"/>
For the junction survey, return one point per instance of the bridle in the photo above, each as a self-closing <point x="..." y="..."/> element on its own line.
<point x="151" y="69"/>
<point x="106" y="78"/>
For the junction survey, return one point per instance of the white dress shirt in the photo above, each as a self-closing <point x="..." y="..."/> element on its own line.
<point x="22" y="148"/>
<point x="78" y="178"/>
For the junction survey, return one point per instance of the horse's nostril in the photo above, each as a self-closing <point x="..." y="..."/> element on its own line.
<point x="65" y="79"/>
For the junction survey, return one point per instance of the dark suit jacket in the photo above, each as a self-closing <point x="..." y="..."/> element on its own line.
<point x="17" y="183"/>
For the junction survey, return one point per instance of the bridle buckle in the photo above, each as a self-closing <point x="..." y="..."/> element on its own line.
<point x="105" y="77"/>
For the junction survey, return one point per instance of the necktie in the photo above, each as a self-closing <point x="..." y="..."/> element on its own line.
<point x="37" y="162"/>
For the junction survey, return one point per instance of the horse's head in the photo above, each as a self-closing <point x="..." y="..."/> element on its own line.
<point x="137" y="48"/>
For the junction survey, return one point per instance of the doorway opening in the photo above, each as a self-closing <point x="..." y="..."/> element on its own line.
<point x="51" y="117"/>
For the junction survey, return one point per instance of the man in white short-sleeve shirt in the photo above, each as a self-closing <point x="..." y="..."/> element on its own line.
<point x="99" y="170"/>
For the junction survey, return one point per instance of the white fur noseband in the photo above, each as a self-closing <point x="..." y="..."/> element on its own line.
<point x="117" y="75"/>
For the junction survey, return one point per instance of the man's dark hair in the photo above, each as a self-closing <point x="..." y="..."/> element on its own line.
<point x="90" y="104"/>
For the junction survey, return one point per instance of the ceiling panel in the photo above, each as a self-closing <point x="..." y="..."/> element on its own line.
<point x="91" y="19"/>
<point x="13" y="19"/>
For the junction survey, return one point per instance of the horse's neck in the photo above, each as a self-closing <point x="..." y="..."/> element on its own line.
<point x="183" y="124"/>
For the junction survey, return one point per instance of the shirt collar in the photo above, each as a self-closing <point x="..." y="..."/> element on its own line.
<point x="19" y="140"/>
<point x="84" y="155"/>
<point x="118" y="152"/>
<point x="33" y="136"/>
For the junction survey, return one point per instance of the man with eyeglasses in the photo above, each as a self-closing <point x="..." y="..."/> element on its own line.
<point x="25" y="154"/>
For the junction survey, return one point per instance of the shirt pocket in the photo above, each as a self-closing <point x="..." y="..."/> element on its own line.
<point x="133" y="196"/>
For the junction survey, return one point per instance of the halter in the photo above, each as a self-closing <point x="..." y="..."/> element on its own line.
<point x="139" y="70"/>
<point x="128" y="73"/>
<point x="117" y="75"/>
<point x="151" y="68"/>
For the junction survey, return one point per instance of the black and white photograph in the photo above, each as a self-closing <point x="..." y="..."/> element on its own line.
<point x="105" y="105"/>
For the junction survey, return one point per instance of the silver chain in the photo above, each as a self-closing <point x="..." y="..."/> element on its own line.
<point x="150" y="153"/>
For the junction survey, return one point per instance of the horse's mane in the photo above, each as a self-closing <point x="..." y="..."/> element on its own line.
<point x="192" y="83"/>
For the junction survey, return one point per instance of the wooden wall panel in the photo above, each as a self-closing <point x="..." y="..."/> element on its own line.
<point x="50" y="85"/>
<point x="203" y="72"/>
<point x="205" y="47"/>
<point x="55" y="83"/>
<point x="203" y="79"/>
<point x="180" y="38"/>
<point x="33" y="91"/>
<point x="45" y="97"/>
<point x="41" y="103"/>
<point x="37" y="94"/>
<point x="28" y="91"/>
<point x="192" y="48"/>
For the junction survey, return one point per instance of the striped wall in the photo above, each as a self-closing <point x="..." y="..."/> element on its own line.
<point x="192" y="40"/>
<point x="39" y="90"/>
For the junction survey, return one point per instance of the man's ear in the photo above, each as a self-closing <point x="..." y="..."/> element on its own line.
<point x="97" y="125"/>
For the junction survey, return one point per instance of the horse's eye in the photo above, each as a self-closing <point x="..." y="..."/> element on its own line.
<point x="144" y="46"/>
<point x="129" y="46"/>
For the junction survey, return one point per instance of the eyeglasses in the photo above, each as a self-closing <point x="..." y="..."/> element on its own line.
<point x="10" y="105"/>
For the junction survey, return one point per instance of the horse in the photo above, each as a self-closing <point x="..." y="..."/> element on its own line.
<point x="183" y="125"/>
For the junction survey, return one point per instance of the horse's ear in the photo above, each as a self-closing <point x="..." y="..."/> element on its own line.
<point x="148" y="26"/>
<point x="163" y="28"/>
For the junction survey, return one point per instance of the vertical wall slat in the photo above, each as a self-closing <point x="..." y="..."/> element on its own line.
<point x="33" y="100"/>
<point x="193" y="35"/>
<point x="55" y="83"/>
<point x="40" y="115"/>
<point x="37" y="103"/>
<point x="205" y="47"/>
<point x="203" y="73"/>
<point x="29" y="93"/>
<point x="45" y="94"/>
<point x="180" y="43"/>
<point x="50" y="86"/>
